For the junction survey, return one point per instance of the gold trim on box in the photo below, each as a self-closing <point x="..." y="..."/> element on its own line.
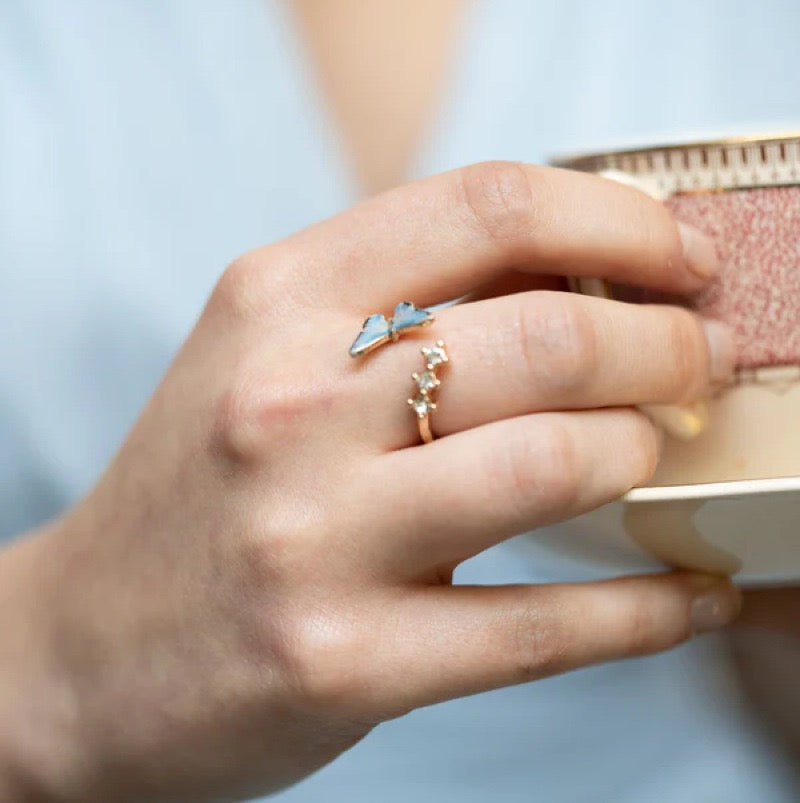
<point x="715" y="165"/>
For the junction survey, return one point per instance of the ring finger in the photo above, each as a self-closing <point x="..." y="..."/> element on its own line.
<point x="546" y="351"/>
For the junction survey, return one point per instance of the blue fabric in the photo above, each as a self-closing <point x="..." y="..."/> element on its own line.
<point x="145" y="144"/>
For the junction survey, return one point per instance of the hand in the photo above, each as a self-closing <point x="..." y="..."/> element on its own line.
<point x="264" y="571"/>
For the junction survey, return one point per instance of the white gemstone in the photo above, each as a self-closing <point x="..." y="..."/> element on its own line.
<point x="422" y="405"/>
<point x="435" y="355"/>
<point x="427" y="380"/>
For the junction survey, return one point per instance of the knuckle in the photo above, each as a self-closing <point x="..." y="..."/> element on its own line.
<point x="642" y="634"/>
<point x="558" y="451"/>
<point x="255" y="417"/>
<point x="317" y="661"/>
<point x="560" y="344"/>
<point x="257" y="282"/>
<point x="234" y="430"/>
<point x="541" y="468"/>
<point x="654" y="228"/>
<point x="238" y="290"/>
<point x="275" y="549"/>
<point x="311" y="643"/>
<point x="646" y="448"/>
<point x="540" y="645"/>
<point x="686" y="367"/>
<point x="499" y="199"/>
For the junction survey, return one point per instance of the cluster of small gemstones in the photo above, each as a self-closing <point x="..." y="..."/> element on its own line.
<point x="427" y="381"/>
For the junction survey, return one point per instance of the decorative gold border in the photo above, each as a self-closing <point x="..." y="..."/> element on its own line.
<point x="732" y="188"/>
<point x="714" y="166"/>
<point x="574" y="160"/>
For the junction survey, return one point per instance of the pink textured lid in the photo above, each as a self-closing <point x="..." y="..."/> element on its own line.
<point x="745" y="193"/>
<point x="758" y="290"/>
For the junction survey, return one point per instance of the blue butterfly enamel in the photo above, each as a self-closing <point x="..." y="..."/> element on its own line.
<point x="377" y="330"/>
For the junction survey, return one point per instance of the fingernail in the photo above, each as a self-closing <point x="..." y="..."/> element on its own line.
<point x="722" y="348"/>
<point x="699" y="252"/>
<point x="715" y="607"/>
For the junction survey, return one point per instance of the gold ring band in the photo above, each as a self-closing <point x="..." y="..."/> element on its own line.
<point x="428" y="382"/>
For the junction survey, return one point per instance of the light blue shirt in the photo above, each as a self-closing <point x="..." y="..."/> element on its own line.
<point x="145" y="144"/>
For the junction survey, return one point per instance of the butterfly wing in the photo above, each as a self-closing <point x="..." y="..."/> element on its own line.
<point x="374" y="332"/>
<point x="406" y="316"/>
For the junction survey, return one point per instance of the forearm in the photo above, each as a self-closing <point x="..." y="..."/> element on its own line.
<point x="39" y="748"/>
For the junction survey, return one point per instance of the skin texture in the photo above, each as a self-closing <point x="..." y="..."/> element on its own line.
<point x="263" y="572"/>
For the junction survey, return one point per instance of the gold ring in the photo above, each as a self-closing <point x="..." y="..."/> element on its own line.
<point x="428" y="382"/>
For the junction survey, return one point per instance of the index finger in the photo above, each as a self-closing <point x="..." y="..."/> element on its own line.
<point x="440" y="237"/>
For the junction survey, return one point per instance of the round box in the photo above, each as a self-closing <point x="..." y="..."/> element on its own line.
<point x="728" y="499"/>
